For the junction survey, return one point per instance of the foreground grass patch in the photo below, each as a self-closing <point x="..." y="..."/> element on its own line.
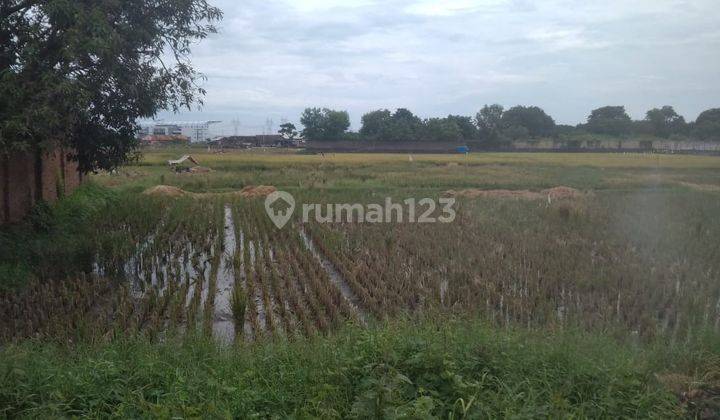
<point x="445" y="369"/>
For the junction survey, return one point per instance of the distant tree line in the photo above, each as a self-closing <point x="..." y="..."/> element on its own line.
<point x="494" y="124"/>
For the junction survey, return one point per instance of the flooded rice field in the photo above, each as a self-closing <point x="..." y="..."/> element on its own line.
<point x="220" y="268"/>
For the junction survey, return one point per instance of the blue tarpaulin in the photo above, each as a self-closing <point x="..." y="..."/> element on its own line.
<point x="462" y="149"/>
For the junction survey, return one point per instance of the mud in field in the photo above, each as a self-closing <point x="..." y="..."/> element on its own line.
<point x="556" y="193"/>
<point x="250" y="191"/>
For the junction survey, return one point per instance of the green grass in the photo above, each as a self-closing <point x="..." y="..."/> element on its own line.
<point x="430" y="369"/>
<point x="53" y="241"/>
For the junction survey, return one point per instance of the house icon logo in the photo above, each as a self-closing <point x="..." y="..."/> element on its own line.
<point x="280" y="206"/>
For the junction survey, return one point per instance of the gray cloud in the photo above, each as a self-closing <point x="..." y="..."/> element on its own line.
<point x="273" y="58"/>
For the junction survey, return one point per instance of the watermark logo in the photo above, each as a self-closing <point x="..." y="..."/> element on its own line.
<point x="280" y="207"/>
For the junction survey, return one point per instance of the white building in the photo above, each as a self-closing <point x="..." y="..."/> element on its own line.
<point x="197" y="131"/>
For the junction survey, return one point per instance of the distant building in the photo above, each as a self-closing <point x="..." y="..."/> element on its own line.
<point x="196" y="131"/>
<point x="260" y="140"/>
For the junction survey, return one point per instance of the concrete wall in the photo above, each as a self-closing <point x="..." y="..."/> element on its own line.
<point x="628" y="145"/>
<point x="384" y="147"/>
<point x="28" y="177"/>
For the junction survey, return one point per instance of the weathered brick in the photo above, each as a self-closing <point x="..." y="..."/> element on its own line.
<point x="51" y="176"/>
<point x="4" y="190"/>
<point x="72" y="175"/>
<point x="18" y="182"/>
<point x="21" y="184"/>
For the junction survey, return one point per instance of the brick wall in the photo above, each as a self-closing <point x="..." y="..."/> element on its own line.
<point x="27" y="177"/>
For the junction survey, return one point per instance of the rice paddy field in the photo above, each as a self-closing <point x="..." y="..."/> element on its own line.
<point x="568" y="285"/>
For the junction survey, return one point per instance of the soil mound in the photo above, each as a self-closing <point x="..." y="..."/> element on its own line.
<point x="164" y="191"/>
<point x="247" y="192"/>
<point x="700" y="187"/>
<point x="260" y="191"/>
<point x="474" y="193"/>
<point x="556" y="193"/>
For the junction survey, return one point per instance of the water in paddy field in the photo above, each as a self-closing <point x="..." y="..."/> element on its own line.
<point x="223" y="324"/>
<point x="335" y="276"/>
<point x="242" y="280"/>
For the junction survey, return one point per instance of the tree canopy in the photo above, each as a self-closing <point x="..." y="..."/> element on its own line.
<point x="496" y="126"/>
<point x="664" y="121"/>
<point x="383" y="125"/>
<point x="707" y="125"/>
<point x="288" y="131"/>
<point x="489" y="121"/>
<point x="80" y="73"/>
<point x="324" y="124"/>
<point x="610" y="120"/>
<point x="376" y="124"/>
<point x="531" y="118"/>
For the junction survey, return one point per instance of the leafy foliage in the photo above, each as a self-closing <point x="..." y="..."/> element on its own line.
<point x="324" y="124"/>
<point x="707" y="125"/>
<point x="288" y="131"/>
<point x="531" y="118"/>
<point x="488" y="120"/>
<point x="80" y="73"/>
<point x="494" y="125"/>
<point x="54" y="241"/>
<point x="611" y="120"/>
<point x="663" y="122"/>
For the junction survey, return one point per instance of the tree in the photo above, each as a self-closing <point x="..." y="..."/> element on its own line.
<point x="288" y="131"/>
<point x="324" y="124"/>
<point x="406" y="126"/>
<point x="468" y="130"/>
<point x="375" y="124"/>
<point x="516" y="132"/>
<point x="443" y="130"/>
<point x="312" y="121"/>
<point x="79" y="74"/>
<point x="664" y="121"/>
<point x="707" y="125"/>
<point x="400" y="126"/>
<point x="532" y="118"/>
<point x="489" y="121"/>
<point x="336" y="125"/>
<point x="610" y="120"/>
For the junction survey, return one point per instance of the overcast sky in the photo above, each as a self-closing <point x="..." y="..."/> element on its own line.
<point x="272" y="59"/>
